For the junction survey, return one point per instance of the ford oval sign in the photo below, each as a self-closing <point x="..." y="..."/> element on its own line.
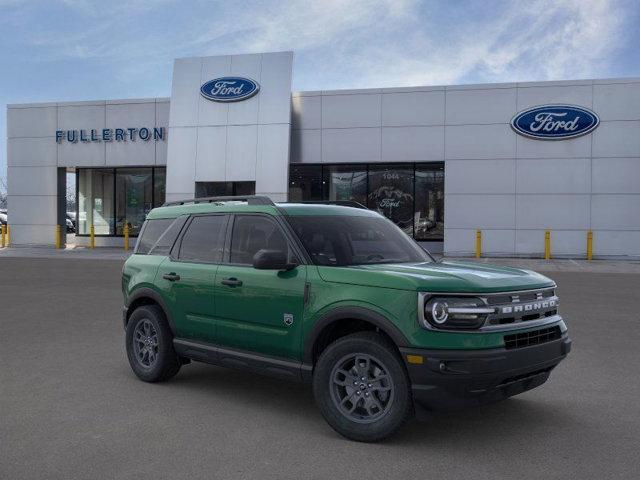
<point x="229" y="89"/>
<point x="555" y="122"/>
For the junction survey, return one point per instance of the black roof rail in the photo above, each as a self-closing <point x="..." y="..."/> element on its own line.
<point x="250" y="199"/>
<point x="344" y="203"/>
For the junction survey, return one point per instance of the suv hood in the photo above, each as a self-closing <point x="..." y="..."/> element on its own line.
<point x="448" y="276"/>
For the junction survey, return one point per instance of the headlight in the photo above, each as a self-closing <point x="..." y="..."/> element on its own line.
<point x="455" y="313"/>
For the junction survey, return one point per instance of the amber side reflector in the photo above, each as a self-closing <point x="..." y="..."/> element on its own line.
<point x="417" y="359"/>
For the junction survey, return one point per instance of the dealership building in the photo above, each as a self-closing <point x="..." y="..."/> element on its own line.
<point x="512" y="160"/>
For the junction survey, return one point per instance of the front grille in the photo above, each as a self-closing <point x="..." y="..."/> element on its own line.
<point x="535" y="337"/>
<point x="519" y="307"/>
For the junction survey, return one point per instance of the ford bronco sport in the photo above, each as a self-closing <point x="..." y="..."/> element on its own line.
<point x="339" y="297"/>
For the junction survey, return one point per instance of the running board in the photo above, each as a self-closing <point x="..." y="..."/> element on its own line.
<point x="241" y="360"/>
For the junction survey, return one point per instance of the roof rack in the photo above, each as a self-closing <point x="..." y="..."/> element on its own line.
<point x="344" y="203"/>
<point x="250" y="199"/>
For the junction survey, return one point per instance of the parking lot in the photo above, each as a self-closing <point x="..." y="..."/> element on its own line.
<point x="71" y="408"/>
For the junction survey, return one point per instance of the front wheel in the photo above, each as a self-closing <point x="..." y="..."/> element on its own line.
<point x="362" y="388"/>
<point x="150" y="345"/>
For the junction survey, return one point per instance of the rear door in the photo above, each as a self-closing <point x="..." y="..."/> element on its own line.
<point x="187" y="276"/>
<point x="259" y="310"/>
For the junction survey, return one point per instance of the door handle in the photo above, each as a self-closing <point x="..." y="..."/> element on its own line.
<point x="172" y="277"/>
<point x="232" y="282"/>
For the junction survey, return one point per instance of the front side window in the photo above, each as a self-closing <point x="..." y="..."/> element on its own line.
<point x="204" y="239"/>
<point x="351" y="240"/>
<point x="252" y="233"/>
<point x="151" y="232"/>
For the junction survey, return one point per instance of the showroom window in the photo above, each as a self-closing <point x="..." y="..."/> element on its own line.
<point x="109" y="198"/>
<point x="225" y="189"/>
<point x="410" y="194"/>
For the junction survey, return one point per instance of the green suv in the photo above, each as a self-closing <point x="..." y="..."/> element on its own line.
<point x="338" y="297"/>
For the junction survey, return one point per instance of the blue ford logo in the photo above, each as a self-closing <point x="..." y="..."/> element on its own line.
<point x="555" y="122"/>
<point x="229" y="89"/>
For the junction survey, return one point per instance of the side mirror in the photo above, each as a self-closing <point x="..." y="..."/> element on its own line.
<point x="272" y="260"/>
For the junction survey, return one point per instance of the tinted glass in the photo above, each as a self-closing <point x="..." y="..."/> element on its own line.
<point x="151" y="232"/>
<point x="204" y="239"/>
<point x="343" y="240"/>
<point x="95" y="201"/>
<point x="168" y="238"/>
<point x="159" y="186"/>
<point x="252" y="233"/>
<point x="391" y="194"/>
<point x="429" y="214"/>
<point x="345" y="182"/>
<point x="134" y="198"/>
<point x="305" y="183"/>
<point x="224" y="189"/>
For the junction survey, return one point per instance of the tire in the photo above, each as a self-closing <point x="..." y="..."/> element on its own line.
<point x="159" y="362"/>
<point x="384" y="403"/>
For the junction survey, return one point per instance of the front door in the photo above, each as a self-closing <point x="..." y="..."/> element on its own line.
<point x="187" y="278"/>
<point x="259" y="310"/>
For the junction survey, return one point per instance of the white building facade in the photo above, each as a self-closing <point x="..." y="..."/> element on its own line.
<point x="512" y="160"/>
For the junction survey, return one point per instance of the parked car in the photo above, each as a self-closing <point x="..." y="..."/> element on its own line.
<point x="3" y="218"/>
<point x="71" y="228"/>
<point x="339" y="297"/>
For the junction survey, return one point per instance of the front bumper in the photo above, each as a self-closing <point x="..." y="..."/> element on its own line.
<point x="454" y="379"/>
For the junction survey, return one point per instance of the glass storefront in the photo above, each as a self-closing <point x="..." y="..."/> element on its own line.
<point x="410" y="194"/>
<point x="110" y="198"/>
<point x="225" y="189"/>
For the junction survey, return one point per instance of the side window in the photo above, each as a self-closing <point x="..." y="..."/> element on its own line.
<point x="252" y="233"/>
<point x="151" y="232"/>
<point x="204" y="239"/>
<point x="168" y="238"/>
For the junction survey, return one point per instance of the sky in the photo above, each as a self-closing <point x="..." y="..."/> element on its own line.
<point x="88" y="50"/>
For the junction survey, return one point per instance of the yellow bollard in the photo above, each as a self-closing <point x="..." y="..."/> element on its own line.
<point x="8" y="234"/>
<point x="589" y="245"/>
<point x="547" y="244"/>
<point x="92" y="237"/>
<point x="126" y="237"/>
<point x="58" y="237"/>
<point x="478" y="243"/>
<point x="4" y="235"/>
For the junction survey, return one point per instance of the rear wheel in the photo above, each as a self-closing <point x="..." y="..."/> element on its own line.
<point x="150" y="345"/>
<point x="362" y="388"/>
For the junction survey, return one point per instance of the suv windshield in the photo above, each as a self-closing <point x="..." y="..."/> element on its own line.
<point x="345" y="240"/>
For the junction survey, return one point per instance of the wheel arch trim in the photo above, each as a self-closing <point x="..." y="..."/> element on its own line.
<point x="145" y="292"/>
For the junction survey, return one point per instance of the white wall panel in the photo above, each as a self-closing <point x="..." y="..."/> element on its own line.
<point x="567" y="94"/>
<point x="480" y="176"/>
<point x="162" y="120"/>
<point x="563" y="242"/>
<point x="615" y="212"/>
<point x="479" y="211"/>
<point x="412" y="108"/>
<point x="32" y="180"/>
<point x="211" y="154"/>
<point x="32" y="210"/>
<point x="242" y="152"/>
<point x="306" y="146"/>
<point x="617" y="139"/>
<point x="495" y="105"/>
<point x="617" y="102"/>
<point x="37" y="152"/>
<point x="616" y="175"/>
<point x="346" y="111"/>
<point x="616" y="243"/>
<point x="558" y="175"/>
<point x="494" y="242"/>
<point x="208" y="112"/>
<point x="412" y="144"/>
<point x="275" y="96"/>
<point x="82" y="117"/>
<point x="81" y="154"/>
<point x="185" y="92"/>
<point x="181" y="172"/>
<point x="32" y="122"/>
<point x="33" y="234"/>
<point x="479" y="142"/>
<point x="306" y="112"/>
<point x="579" y="147"/>
<point x="273" y="154"/>
<point x="556" y="212"/>
<point x="351" y="145"/>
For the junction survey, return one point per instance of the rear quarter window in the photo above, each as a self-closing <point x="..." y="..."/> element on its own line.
<point x="158" y="235"/>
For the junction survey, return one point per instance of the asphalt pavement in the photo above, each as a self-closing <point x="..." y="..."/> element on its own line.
<point x="70" y="408"/>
